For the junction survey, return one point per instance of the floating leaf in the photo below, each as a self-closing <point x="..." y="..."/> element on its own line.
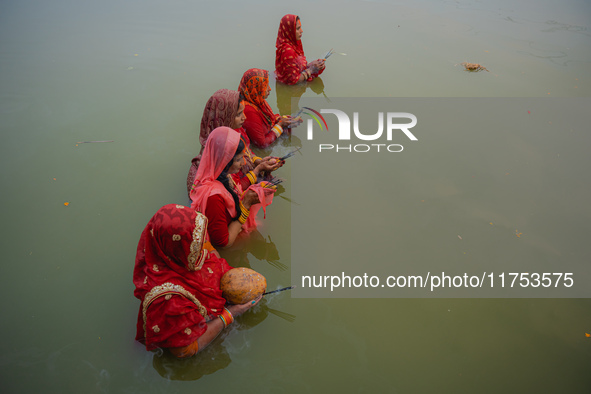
<point x="587" y="335"/>
<point x="66" y="204"/>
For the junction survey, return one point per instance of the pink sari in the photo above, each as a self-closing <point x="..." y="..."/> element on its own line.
<point x="220" y="110"/>
<point x="219" y="150"/>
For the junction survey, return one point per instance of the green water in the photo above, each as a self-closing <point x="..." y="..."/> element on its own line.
<point x="139" y="73"/>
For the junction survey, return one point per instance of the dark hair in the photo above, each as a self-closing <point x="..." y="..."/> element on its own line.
<point x="225" y="180"/>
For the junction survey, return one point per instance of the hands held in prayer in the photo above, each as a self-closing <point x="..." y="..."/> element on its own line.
<point x="239" y="309"/>
<point x="289" y="122"/>
<point x="250" y="198"/>
<point x="269" y="164"/>
<point x="316" y="66"/>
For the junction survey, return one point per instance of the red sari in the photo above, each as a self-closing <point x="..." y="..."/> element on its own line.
<point x="289" y="54"/>
<point x="260" y="118"/>
<point x="176" y="278"/>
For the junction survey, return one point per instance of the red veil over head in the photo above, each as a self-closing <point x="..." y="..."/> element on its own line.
<point x="253" y="86"/>
<point x="289" y="54"/>
<point x="286" y="36"/>
<point x="176" y="279"/>
<point x="219" y="150"/>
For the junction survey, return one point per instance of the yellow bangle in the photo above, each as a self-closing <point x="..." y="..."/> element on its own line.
<point x="251" y="177"/>
<point x="243" y="214"/>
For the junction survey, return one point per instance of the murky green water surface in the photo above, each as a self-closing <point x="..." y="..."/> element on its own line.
<point x="139" y="73"/>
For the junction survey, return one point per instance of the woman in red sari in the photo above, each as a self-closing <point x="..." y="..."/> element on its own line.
<point x="216" y="194"/>
<point x="262" y="126"/>
<point x="291" y="66"/>
<point x="177" y="277"/>
<point x="225" y="108"/>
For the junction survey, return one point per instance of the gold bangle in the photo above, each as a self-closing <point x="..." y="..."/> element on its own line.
<point x="251" y="177"/>
<point x="243" y="214"/>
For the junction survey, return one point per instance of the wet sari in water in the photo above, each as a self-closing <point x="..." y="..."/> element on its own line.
<point x="290" y="60"/>
<point x="260" y="118"/>
<point x="219" y="150"/>
<point x="177" y="279"/>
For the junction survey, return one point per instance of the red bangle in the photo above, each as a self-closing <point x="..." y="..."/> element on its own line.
<point x="226" y="317"/>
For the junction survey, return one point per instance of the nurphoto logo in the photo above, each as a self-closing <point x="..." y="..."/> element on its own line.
<point x="393" y="128"/>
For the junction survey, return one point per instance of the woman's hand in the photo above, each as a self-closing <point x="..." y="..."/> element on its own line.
<point x="237" y="310"/>
<point x="274" y="161"/>
<point x="285" y="121"/>
<point x="317" y="65"/>
<point x="250" y="198"/>
<point x="268" y="165"/>
<point x="214" y="327"/>
<point x="294" y="122"/>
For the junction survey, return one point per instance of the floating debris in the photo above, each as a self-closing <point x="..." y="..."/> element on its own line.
<point x="474" y="67"/>
<point x="66" y="204"/>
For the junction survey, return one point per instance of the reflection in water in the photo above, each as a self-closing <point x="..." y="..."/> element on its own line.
<point x="260" y="247"/>
<point x="284" y="315"/>
<point x="286" y="92"/>
<point x="284" y="95"/>
<point x="211" y="359"/>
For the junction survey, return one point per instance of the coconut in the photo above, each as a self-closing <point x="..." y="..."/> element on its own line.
<point x="241" y="285"/>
